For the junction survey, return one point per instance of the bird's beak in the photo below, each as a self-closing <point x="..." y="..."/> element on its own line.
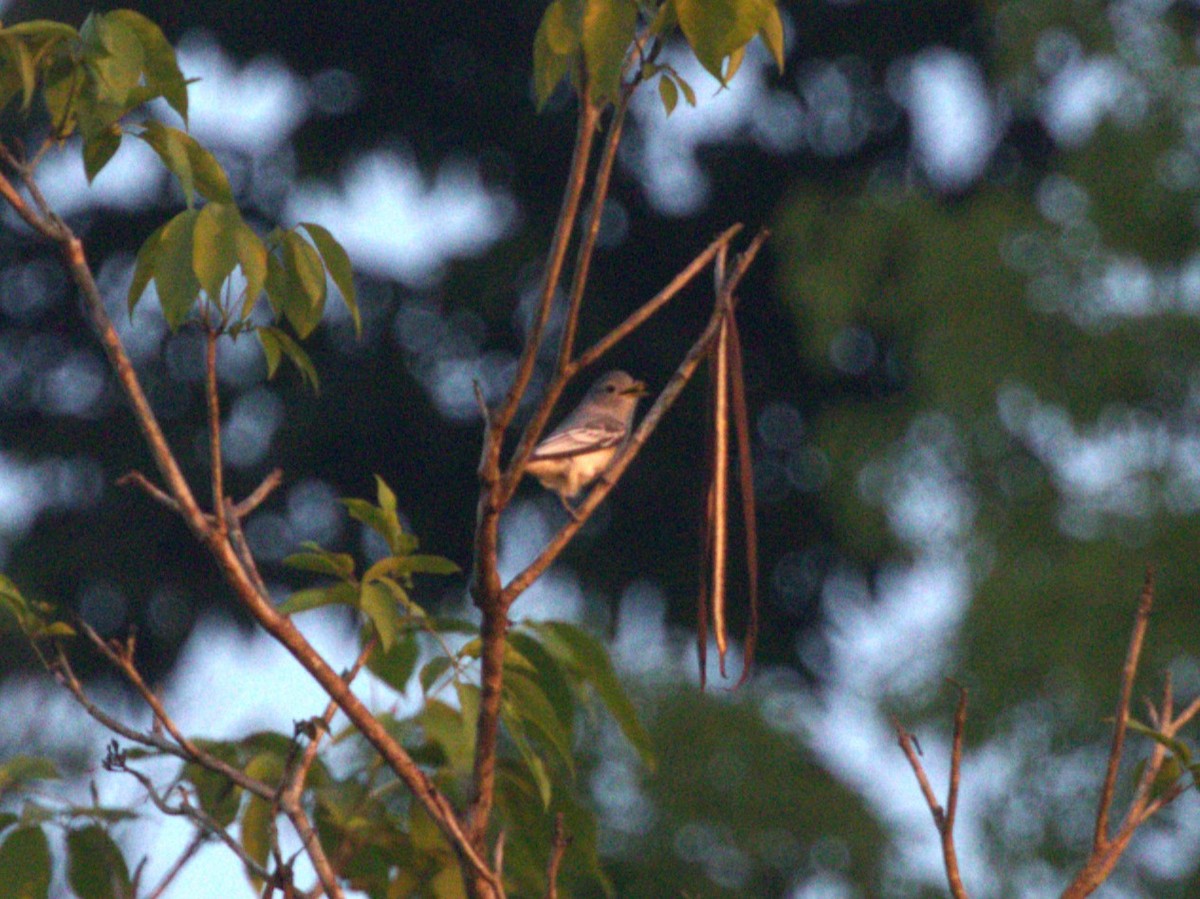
<point x="637" y="388"/>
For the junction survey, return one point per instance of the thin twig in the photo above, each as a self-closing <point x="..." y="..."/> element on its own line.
<point x="579" y="279"/>
<point x="116" y="762"/>
<point x="943" y="820"/>
<point x="1128" y="673"/>
<point x="193" y="846"/>
<point x="558" y="848"/>
<point x="122" y="659"/>
<point x="665" y="400"/>
<point x="651" y="306"/>
<point x="269" y="484"/>
<point x="214" y="427"/>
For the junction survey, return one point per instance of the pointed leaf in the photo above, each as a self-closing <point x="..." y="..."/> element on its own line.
<point x="320" y="561"/>
<point x="716" y="29"/>
<point x="276" y="342"/>
<point x="25" y="864"/>
<point x="304" y="301"/>
<point x="174" y="275"/>
<point x="98" y="149"/>
<point x="21" y="769"/>
<point x="583" y="654"/>
<point x="252" y="257"/>
<point x="424" y="564"/>
<point x="159" y="65"/>
<point x="315" y="597"/>
<point x="143" y="269"/>
<point x="377" y="604"/>
<point x="214" y="247"/>
<point x="256" y="834"/>
<point x="668" y="93"/>
<point x="771" y="33"/>
<point x="607" y="34"/>
<point x="553" y="46"/>
<point x="395" y="667"/>
<point x="337" y="263"/>
<point x="96" y="868"/>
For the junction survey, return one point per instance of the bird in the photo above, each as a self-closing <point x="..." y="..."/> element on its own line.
<point x="581" y="448"/>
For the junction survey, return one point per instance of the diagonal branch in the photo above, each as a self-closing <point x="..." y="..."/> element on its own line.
<point x="1128" y="673"/>
<point x="943" y="819"/>
<point x="665" y="400"/>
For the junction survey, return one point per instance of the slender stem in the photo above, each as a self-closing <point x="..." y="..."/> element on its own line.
<point x="587" y="246"/>
<point x="664" y="402"/>
<point x="589" y="118"/>
<point x="123" y="661"/>
<point x="1128" y="673"/>
<point x="192" y="848"/>
<point x="943" y="820"/>
<point x="558" y="848"/>
<point x="214" y="427"/>
<point x="579" y="280"/>
<point x="664" y="296"/>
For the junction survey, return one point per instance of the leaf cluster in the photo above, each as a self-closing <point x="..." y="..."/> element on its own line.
<point x="95" y="866"/>
<point x="591" y="42"/>
<point x="88" y="80"/>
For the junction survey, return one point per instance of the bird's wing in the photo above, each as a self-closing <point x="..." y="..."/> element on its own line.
<point x="598" y="433"/>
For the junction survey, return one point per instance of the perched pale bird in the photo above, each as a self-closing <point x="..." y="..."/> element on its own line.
<point x="579" y="450"/>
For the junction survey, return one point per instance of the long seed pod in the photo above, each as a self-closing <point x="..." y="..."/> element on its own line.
<point x="719" y="503"/>
<point x="741" y="422"/>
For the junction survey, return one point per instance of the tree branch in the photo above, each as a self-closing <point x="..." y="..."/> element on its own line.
<point x="942" y="819"/>
<point x="651" y="420"/>
<point x="1128" y="673"/>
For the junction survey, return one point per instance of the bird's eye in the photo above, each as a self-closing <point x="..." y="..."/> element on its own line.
<point x="611" y="388"/>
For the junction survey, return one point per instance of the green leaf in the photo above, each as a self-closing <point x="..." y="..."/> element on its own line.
<point x="98" y="149"/>
<point x="214" y="246"/>
<point x="304" y="299"/>
<point x="716" y="29"/>
<point x="256" y="833"/>
<point x="688" y="93"/>
<point x="252" y="257"/>
<point x="533" y="762"/>
<point x="549" y="675"/>
<point x="17" y="55"/>
<point x="668" y="93"/>
<point x="217" y="794"/>
<point x="771" y="33"/>
<point x="21" y="769"/>
<point x="432" y="670"/>
<point x="337" y="263"/>
<point x="530" y="705"/>
<point x="174" y="274"/>
<point x="733" y="64"/>
<point x="553" y="46"/>
<point x="315" y="597"/>
<point x="159" y="65"/>
<point x="377" y="604"/>
<point x="275" y="344"/>
<point x="588" y="659"/>
<point x="195" y="167"/>
<point x="321" y="561"/>
<point x="446" y="728"/>
<point x="607" y="34"/>
<point x="25" y="865"/>
<point x="1177" y="747"/>
<point x="143" y="269"/>
<point x="395" y="667"/>
<point x="424" y="564"/>
<point x="96" y="868"/>
<point x="113" y="58"/>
